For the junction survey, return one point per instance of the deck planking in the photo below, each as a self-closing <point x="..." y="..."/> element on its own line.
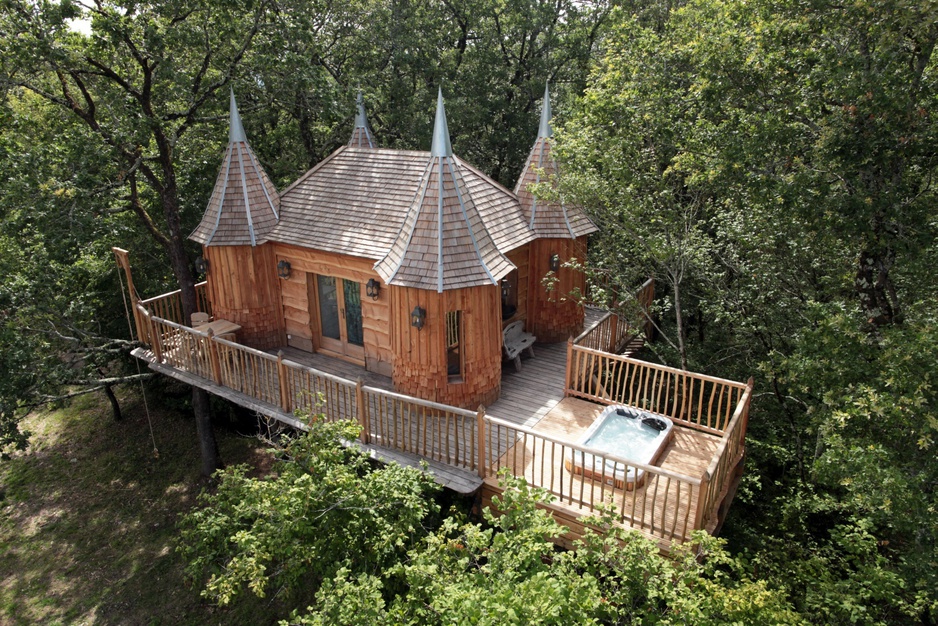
<point x="660" y="508"/>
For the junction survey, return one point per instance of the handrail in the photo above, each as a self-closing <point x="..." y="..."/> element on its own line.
<point x="421" y="402"/>
<point x="665" y="368"/>
<point x="579" y="338"/>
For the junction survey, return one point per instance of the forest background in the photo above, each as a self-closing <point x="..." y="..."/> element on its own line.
<point x="771" y="164"/>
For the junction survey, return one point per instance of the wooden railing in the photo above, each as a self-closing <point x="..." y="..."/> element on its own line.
<point x="718" y="477"/>
<point x="663" y="504"/>
<point x="434" y="431"/>
<point x="168" y="306"/>
<point x="697" y="401"/>
<point x="613" y="332"/>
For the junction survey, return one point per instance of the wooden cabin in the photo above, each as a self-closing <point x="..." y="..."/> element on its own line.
<point x="407" y="263"/>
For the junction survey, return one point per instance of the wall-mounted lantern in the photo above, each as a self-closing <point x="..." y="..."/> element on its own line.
<point x="200" y="265"/>
<point x="283" y="269"/>
<point x="419" y="317"/>
<point x="506" y="288"/>
<point x="372" y="288"/>
<point x="555" y="262"/>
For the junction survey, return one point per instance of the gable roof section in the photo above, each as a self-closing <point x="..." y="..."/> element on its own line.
<point x="244" y="206"/>
<point x="548" y="219"/>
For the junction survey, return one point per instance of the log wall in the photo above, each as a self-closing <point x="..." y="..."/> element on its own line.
<point x="555" y="314"/>
<point x="242" y="287"/>
<point x="300" y="310"/>
<point x="420" y="364"/>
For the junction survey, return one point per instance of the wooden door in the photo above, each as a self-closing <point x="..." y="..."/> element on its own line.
<point x="340" y="316"/>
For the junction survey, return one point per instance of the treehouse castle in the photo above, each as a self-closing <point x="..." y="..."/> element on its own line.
<point x="388" y="287"/>
<point x="410" y="264"/>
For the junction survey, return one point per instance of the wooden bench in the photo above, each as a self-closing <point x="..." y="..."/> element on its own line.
<point x="515" y="340"/>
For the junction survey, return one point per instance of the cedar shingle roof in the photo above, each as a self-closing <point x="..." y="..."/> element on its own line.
<point x="554" y="220"/>
<point x="244" y="205"/>
<point x="362" y="136"/>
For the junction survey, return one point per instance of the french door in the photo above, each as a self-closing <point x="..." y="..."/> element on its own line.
<point x="340" y="316"/>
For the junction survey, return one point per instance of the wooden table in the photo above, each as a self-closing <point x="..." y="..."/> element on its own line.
<point x="225" y="329"/>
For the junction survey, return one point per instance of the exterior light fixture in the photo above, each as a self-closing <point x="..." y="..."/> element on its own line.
<point x="200" y="265"/>
<point x="506" y="288"/>
<point x="418" y="317"/>
<point x="283" y="269"/>
<point x="555" y="262"/>
<point x="372" y="288"/>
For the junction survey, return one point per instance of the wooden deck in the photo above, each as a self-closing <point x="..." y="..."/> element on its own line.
<point x="531" y="430"/>
<point x="662" y="507"/>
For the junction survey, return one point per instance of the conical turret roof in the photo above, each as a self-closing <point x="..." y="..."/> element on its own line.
<point x="443" y="243"/>
<point x="362" y="136"/>
<point x="553" y="219"/>
<point x="244" y="206"/>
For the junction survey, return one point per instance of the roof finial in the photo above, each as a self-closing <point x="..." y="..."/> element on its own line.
<point x="235" y="129"/>
<point x="441" y="146"/>
<point x="545" y="129"/>
<point x="360" y="121"/>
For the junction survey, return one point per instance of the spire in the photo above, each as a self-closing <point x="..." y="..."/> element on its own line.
<point x="443" y="243"/>
<point x="545" y="129"/>
<point x="244" y="206"/>
<point x="552" y="220"/>
<point x="235" y="129"/>
<point x="361" y="134"/>
<point x="441" y="146"/>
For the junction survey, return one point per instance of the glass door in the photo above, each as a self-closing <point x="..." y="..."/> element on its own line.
<point x="340" y="316"/>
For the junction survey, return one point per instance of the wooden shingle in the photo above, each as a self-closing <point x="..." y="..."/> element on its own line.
<point x="244" y="206"/>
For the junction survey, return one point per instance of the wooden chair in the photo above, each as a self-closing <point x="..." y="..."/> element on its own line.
<point x="515" y="340"/>
<point x="200" y="319"/>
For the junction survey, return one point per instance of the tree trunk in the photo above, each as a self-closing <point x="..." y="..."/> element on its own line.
<point x="208" y="447"/>
<point x="679" y="318"/>
<point x="115" y="406"/>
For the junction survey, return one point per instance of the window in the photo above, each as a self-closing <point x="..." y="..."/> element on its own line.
<point x="509" y="287"/>
<point x="454" y="346"/>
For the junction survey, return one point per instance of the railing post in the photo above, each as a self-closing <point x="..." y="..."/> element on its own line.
<point x="480" y="438"/>
<point x="283" y="379"/>
<point x="566" y="377"/>
<point x="745" y="422"/>
<point x="156" y="340"/>
<point x="362" y="411"/>
<point x="702" y="501"/>
<point x="614" y="334"/>
<point x="213" y="357"/>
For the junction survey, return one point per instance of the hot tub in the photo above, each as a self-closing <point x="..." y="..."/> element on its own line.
<point x="625" y="433"/>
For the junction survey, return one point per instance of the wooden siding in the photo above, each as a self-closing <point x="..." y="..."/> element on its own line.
<point x="242" y="287"/>
<point x="519" y="257"/>
<point x="300" y="309"/>
<point x="555" y="315"/>
<point x="420" y="364"/>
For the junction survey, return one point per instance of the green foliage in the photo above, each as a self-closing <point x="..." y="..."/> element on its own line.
<point x="510" y="572"/>
<point x="324" y="509"/>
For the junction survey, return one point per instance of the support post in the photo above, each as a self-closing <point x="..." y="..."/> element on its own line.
<point x="213" y="356"/>
<point x="566" y="378"/>
<point x="480" y="439"/>
<point x="702" y="500"/>
<point x="156" y="340"/>
<point x="614" y="334"/>
<point x="745" y="421"/>
<point x="283" y="380"/>
<point x="362" y="411"/>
